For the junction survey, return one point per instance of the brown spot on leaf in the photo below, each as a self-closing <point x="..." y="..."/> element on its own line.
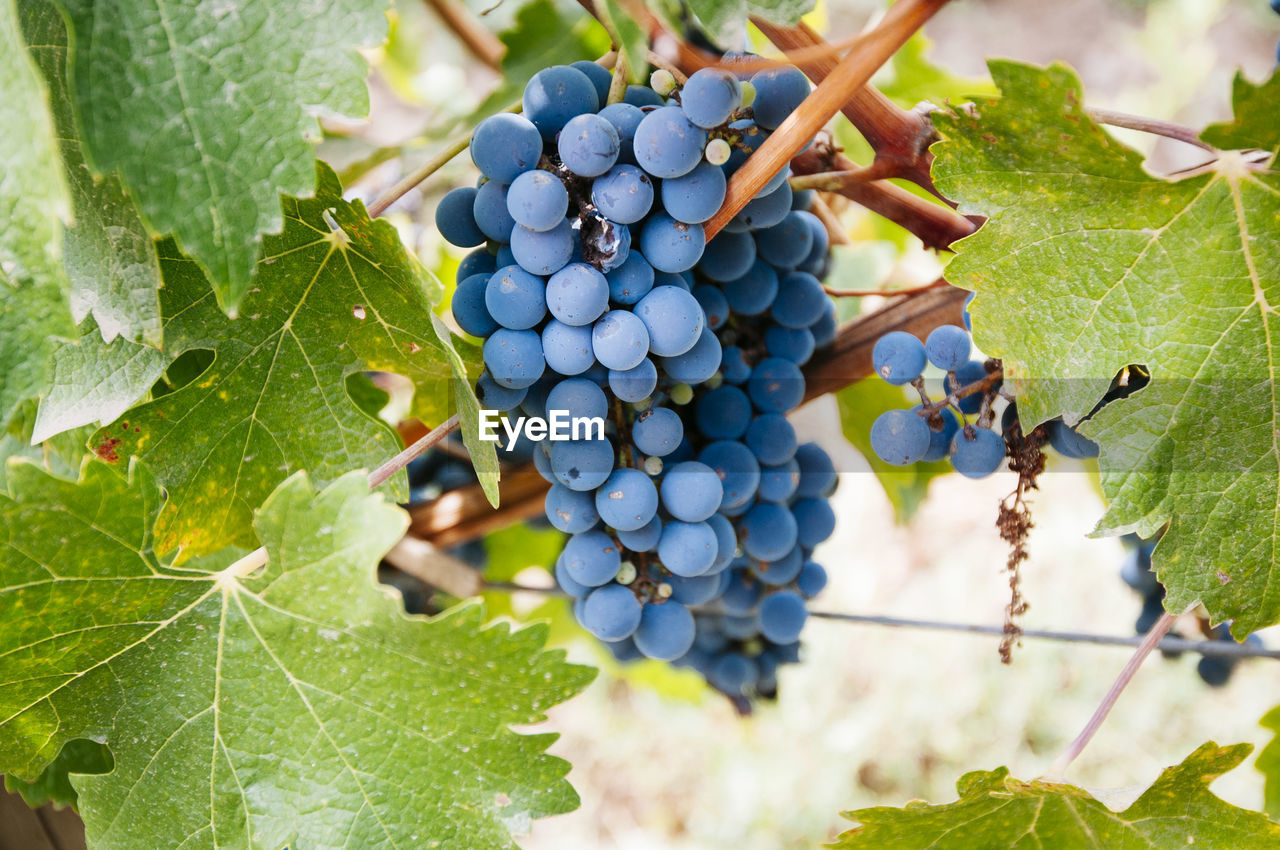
<point x="107" y="450"/>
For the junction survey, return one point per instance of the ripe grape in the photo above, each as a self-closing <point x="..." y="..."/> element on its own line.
<point x="667" y="144"/>
<point x="515" y="298"/>
<point x="627" y="501"/>
<point x="456" y="219"/>
<point x="977" y="455"/>
<point x="588" y="145"/>
<point x="623" y="194"/>
<point x="779" y="91"/>
<point x="504" y="146"/>
<point x="658" y="431"/>
<point x="620" y="340"/>
<point x="570" y="511"/>
<point x="709" y="97"/>
<point x="555" y="95"/>
<point x="670" y="245"/>
<point x="581" y="464"/>
<point x="567" y="349"/>
<point x="665" y="632"/>
<point x="695" y="197"/>
<point x="543" y="252"/>
<point x="900" y="437"/>
<point x="782" y="616"/>
<point x="611" y="613"/>
<point x="688" y="548"/>
<point x="898" y="357"/>
<point x="691" y="491"/>
<point x="948" y="347"/>
<point x="577" y="294"/>
<point x="537" y="200"/>
<point x="673" y="318"/>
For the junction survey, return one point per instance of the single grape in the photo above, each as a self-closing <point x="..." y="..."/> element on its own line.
<point x="723" y="413"/>
<point x="557" y="94"/>
<point x="788" y="242"/>
<point x="790" y="344"/>
<point x="737" y="468"/>
<point x="819" y="246"/>
<point x="642" y="96"/>
<point x="665" y="632"/>
<point x="1214" y="670"/>
<point x="469" y="309"/>
<point x="726" y="543"/>
<point x="479" y="261"/>
<point x="801" y="301"/>
<point x="812" y="579"/>
<point x="718" y="151"/>
<point x="899" y="437"/>
<point x="456" y="219"/>
<point x="515" y="298"/>
<point x="779" y="92"/>
<point x="582" y="464"/>
<point x="566" y="582"/>
<point x="514" y="358"/>
<point x="643" y="539"/>
<point x="673" y="318"/>
<point x="657" y="431"/>
<point x="768" y="531"/>
<point x="670" y="245"/>
<point x="776" y="385"/>
<point x="627" y="500"/>
<point x="825" y="329"/>
<point x="504" y="146"/>
<point x="754" y="292"/>
<point x="771" y="439"/>
<point x="734" y="674"/>
<point x="782" y="571"/>
<point x="709" y="97"/>
<point x="817" y="472"/>
<point x="733" y="366"/>
<point x="977" y="455"/>
<point x="490" y="210"/>
<point x="662" y="81"/>
<point x="543" y="253"/>
<point x="695" y="197"/>
<point x="635" y="384"/>
<point x="695" y="590"/>
<point x="778" y="483"/>
<point x="611" y="613"/>
<point x="632" y="280"/>
<point x="782" y="616"/>
<point x="687" y="548"/>
<point x="623" y="194"/>
<point x="578" y="397"/>
<point x="667" y="144"/>
<point x="728" y="257"/>
<point x="815" y="521"/>
<point x="537" y="200"/>
<point x="691" y="491"/>
<point x="741" y="595"/>
<point x="591" y="558"/>
<point x="898" y="357"/>
<point x="803" y="200"/>
<point x="588" y="145"/>
<point x="620" y="340"/>
<point x="767" y="210"/>
<point x="947" y="347"/>
<point x="577" y="294"/>
<point x="494" y="396"/>
<point x="598" y="75"/>
<point x="697" y="364"/>
<point x="713" y="303"/>
<point x="1138" y="574"/>
<point x="568" y="350"/>
<point x="570" y="511"/>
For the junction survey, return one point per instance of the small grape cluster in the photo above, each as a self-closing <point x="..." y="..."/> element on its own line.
<point x="1214" y="670"/>
<point x="693" y="520"/>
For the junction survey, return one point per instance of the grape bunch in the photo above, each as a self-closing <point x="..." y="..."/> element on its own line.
<point x="692" y="521"/>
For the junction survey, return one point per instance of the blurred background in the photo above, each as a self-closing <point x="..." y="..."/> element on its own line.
<point x="873" y="716"/>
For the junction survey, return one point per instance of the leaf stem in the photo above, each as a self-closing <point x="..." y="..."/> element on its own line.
<point x="1154" y="126"/>
<point x="482" y="43"/>
<point x="413" y="178"/>
<point x="401" y="460"/>
<point x="618" y="85"/>
<point x="1158" y="631"/>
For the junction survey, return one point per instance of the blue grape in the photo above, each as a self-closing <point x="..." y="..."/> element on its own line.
<point x="598" y="75"/>
<point x="469" y="309"/>
<point x="665" y="632"/>
<point x="801" y="301"/>
<point x="582" y="464"/>
<point x="514" y="358"/>
<point x="695" y="590"/>
<point x="538" y="201"/>
<point x="741" y="596"/>
<point x="694" y="197"/>
<point x="782" y="616"/>
<point x="667" y="144"/>
<point x="796" y="345"/>
<point x="948" y="347"/>
<point x="566" y="582"/>
<point x="620" y="340"/>
<point x="490" y="210"/>
<point x="788" y="242"/>
<point x="776" y="385"/>
<point x="611" y="613"/>
<point x="1137" y="573"/>
<point x="625" y="118"/>
<point x="815" y="521"/>
<point x="898" y="357"/>
<point x="754" y="292"/>
<point x="768" y="531"/>
<point x="737" y="468"/>
<point x="591" y="558"/>
<point x="634" y="384"/>
<point x="803" y="199"/>
<point x="504" y="146"/>
<point x="642" y="96"/>
<point x="782" y="571"/>
<point x="673" y="318"/>
<point x="734" y="674"/>
<point x="632" y="280"/>
<point x="543" y="253"/>
<point x="977" y="455"/>
<point x="825" y="329"/>
<point x="771" y="439"/>
<point x="691" y="491"/>
<point x="733" y="365"/>
<point x="817" y="472"/>
<point x="570" y="511"/>
<point x="940" y="441"/>
<point x="479" y="261"/>
<point x="542" y="463"/>
<point x="812" y="579"/>
<point x="698" y="363"/>
<point x="606" y="244"/>
<point x="515" y="298"/>
<point x="657" y="431"/>
<point x="577" y="294"/>
<point x="900" y="437"/>
<point x="771" y="186"/>
<point x="670" y="245"/>
<point x="779" y="92"/>
<point x="709" y="97"/>
<point x="567" y="349"/>
<point x="643" y="539"/>
<point x="494" y="396"/>
<point x="766" y="211"/>
<point x="778" y="483"/>
<point x="557" y="94"/>
<point x="687" y="548"/>
<point x="714" y="305"/>
<point x="627" y="501"/>
<point x="726" y="543"/>
<point x="588" y="145"/>
<point x="504" y="257"/>
<point x="1069" y="442"/>
<point x="728" y="257"/>
<point x="623" y="194"/>
<point x="456" y="218"/>
<point x="818" y="247"/>
<point x="578" y="397"/>
<point x="723" y="413"/>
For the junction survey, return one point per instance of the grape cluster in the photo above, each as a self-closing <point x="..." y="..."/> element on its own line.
<point x="693" y="520"/>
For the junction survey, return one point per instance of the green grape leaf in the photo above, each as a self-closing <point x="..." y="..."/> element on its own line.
<point x="518" y="547"/>
<point x="997" y="812"/>
<point x="218" y="122"/>
<point x="725" y="19"/>
<point x="1268" y="763"/>
<point x="53" y="785"/>
<point x="1088" y="264"/>
<point x="110" y="259"/>
<point x="292" y="705"/>
<point x="336" y="293"/>
<point x="906" y="486"/>
<point x="34" y="202"/>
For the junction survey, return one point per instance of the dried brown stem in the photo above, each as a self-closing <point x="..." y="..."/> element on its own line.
<point x="482" y="43"/>
<point x="868" y="53"/>
<point x="887" y="293"/>
<point x="835" y="230"/>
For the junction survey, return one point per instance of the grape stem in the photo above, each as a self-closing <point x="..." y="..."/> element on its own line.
<point x="887" y="293"/>
<point x="482" y="43"/>
<point x="1158" y="631"/>
<point x="1154" y="126"/>
<point x="618" y="84"/>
